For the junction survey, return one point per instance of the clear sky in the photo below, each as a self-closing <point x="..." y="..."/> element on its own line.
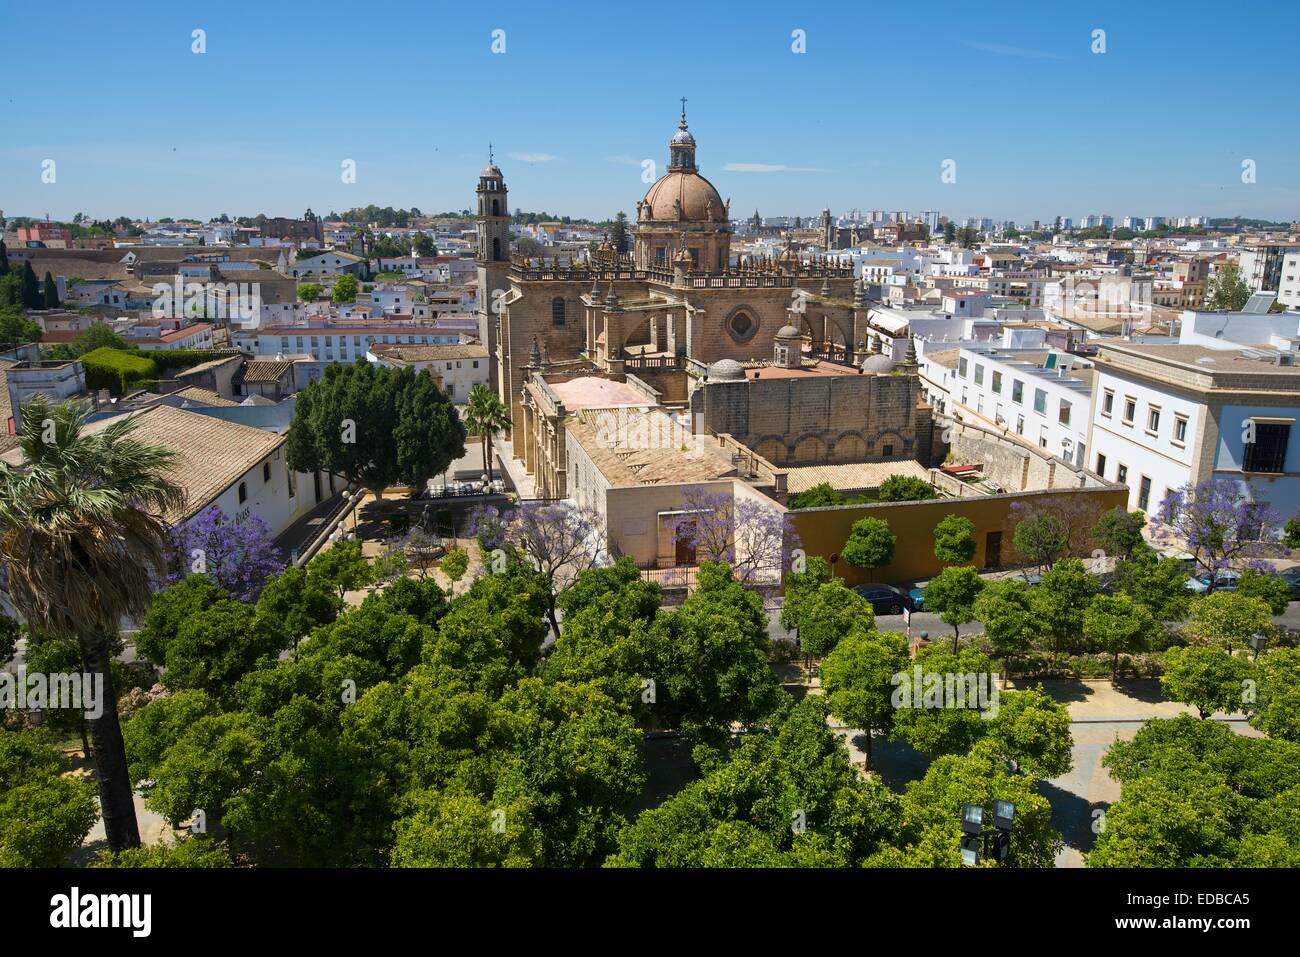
<point x="1037" y="124"/>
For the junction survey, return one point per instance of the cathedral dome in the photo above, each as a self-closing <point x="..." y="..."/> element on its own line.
<point x="878" y="363"/>
<point x="726" y="370"/>
<point x="699" y="201"/>
<point x="789" y="332"/>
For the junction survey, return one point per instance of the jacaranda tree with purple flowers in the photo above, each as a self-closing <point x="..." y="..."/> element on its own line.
<point x="752" y="535"/>
<point x="238" y="556"/>
<point x="1217" y="521"/>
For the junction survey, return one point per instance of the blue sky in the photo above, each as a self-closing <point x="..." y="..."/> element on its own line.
<point x="1037" y="124"/>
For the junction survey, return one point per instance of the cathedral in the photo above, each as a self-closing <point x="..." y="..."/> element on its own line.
<point x="678" y="312"/>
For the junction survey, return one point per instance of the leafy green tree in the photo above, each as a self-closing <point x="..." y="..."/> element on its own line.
<point x="1207" y="678"/>
<point x="1120" y="626"/>
<point x="828" y="614"/>
<point x="15" y="328"/>
<point x="454" y="565"/>
<point x="1276" y="708"/>
<point x="1119" y="532"/>
<point x="44" y="815"/>
<point x="450" y="830"/>
<point x="946" y="710"/>
<point x="50" y="292"/>
<point x="930" y="835"/>
<point x="158" y="725"/>
<point x="82" y="537"/>
<point x="858" y="677"/>
<point x="1227" y="290"/>
<point x="198" y="851"/>
<point x="618" y="235"/>
<point x="343" y="566"/>
<point x="1033" y="730"/>
<point x="954" y="540"/>
<point x="870" y="544"/>
<point x="4" y="259"/>
<point x="297" y="602"/>
<point x="784" y="798"/>
<point x="375" y="425"/>
<point x="10" y="632"/>
<point x="952" y="594"/>
<point x="345" y="289"/>
<point x="821" y="495"/>
<point x="1011" y="623"/>
<point x="30" y="289"/>
<point x="307" y="291"/>
<point x="906" y="488"/>
<point x="800" y="586"/>
<point x="1270" y="589"/>
<point x="214" y="650"/>
<point x="1291" y="533"/>
<point x="1040" y="539"/>
<point x="1159" y="584"/>
<point x="1229" y="618"/>
<point x="1060" y="600"/>
<point x="485" y="415"/>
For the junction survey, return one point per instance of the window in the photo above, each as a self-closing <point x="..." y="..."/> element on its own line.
<point x="1107" y="402"/>
<point x="979" y="374"/>
<point x="557" y="311"/>
<point x="1042" y="436"/>
<point x="886" y="450"/>
<point x="1063" y="416"/>
<point x="243" y="493"/>
<point x="961" y="367"/>
<point x="1017" y="392"/>
<point x="448" y="366"/>
<point x="1153" y="419"/>
<point x="293" y="482"/>
<point x="741" y="326"/>
<point x="997" y="382"/>
<point x="1268" y="452"/>
<point x="1180" y="429"/>
<point x="1020" y="425"/>
<point x="266" y="471"/>
<point x="1130" y="409"/>
<point x="1101" y="465"/>
<point x="1144" y="493"/>
<point x="1040" y="401"/>
<point x="1121" y="475"/>
<point x="965" y="400"/>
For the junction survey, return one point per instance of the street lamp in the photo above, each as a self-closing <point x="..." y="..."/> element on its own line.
<point x="1258" y="641"/>
<point x="977" y="841"/>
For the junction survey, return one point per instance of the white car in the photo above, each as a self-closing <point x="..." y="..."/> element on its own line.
<point x="1224" y="580"/>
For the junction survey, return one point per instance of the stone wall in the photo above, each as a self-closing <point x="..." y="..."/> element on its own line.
<point x="820" y="419"/>
<point x="1015" y="466"/>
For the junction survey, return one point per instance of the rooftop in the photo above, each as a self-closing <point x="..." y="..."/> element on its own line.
<point x="851" y="476"/>
<point x="588" y="391"/>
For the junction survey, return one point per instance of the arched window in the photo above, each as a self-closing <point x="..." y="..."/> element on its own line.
<point x="496" y="250"/>
<point x="243" y="493"/>
<point x="557" y="311"/>
<point x="496" y="207"/>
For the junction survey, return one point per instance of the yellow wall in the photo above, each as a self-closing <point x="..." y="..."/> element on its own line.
<point x="823" y="531"/>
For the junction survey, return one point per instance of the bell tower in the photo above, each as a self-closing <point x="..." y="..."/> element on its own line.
<point x="493" y="259"/>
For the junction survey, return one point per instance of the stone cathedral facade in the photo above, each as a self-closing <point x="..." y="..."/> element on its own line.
<point x="681" y="306"/>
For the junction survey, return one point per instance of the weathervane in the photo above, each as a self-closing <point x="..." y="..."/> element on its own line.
<point x="683" y="112"/>
<point x="489" y="154"/>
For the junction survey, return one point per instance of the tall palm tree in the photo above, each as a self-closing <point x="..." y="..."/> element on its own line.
<point x="484" y="415"/>
<point x="81" y="531"/>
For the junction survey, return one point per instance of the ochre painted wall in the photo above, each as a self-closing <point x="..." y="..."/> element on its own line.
<point x="823" y="531"/>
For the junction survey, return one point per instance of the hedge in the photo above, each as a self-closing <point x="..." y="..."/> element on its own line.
<point x="117" y="370"/>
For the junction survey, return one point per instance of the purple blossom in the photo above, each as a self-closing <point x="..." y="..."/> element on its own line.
<point x="1217" y="520"/>
<point x="238" y="556"/>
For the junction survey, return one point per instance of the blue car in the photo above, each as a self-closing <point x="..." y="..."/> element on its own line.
<point x="917" y="597"/>
<point x="885" y="599"/>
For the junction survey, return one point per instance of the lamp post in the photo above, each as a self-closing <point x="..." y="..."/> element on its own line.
<point x="1258" y="642"/>
<point x="979" y="842"/>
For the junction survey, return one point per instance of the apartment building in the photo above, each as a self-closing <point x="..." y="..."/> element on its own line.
<point x="1169" y="415"/>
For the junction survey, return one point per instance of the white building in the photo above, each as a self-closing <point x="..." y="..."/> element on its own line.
<point x="1039" y="397"/>
<point x="1288" y="287"/>
<point x="458" y="367"/>
<point x="1170" y="415"/>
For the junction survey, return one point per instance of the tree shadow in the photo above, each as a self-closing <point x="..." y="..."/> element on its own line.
<point x="897" y="762"/>
<point x="1072" y="815"/>
<point x="1141" y="689"/>
<point x="1060" y="690"/>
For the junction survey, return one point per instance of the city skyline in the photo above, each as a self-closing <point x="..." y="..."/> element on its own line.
<point x="866" y="118"/>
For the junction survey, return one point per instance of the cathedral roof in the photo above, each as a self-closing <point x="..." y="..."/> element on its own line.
<point x="697" y="196"/>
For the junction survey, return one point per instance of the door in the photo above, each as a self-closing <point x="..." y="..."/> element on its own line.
<point x="993" y="550"/>
<point x="685" y="550"/>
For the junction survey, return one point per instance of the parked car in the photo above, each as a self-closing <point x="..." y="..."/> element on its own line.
<point x="1224" y="580"/>
<point x="917" y="597"/>
<point x="1292" y="577"/>
<point x="885" y="599"/>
